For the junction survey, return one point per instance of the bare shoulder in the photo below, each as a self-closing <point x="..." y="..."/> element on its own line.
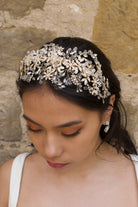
<point x="126" y="172"/>
<point x="5" y="171"/>
<point x="120" y="163"/>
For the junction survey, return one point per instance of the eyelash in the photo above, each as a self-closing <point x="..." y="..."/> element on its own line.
<point x="73" y="134"/>
<point x="34" y="130"/>
<point x="65" y="135"/>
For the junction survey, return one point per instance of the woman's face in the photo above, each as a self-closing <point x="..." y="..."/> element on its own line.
<point x="61" y="131"/>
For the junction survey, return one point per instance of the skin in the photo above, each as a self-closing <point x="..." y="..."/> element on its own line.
<point x="63" y="132"/>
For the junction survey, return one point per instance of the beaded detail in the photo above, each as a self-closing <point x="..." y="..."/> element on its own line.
<point x="65" y="68"/>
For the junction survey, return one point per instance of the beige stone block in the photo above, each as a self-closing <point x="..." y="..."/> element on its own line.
<point x="14" y="42"/>
<point x="20" y="8"/>
<point x="116" y="33"/>
<point x="65" y="18"/>
<point x="10" y="128"/>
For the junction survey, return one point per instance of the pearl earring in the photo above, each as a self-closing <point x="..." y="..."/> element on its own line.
<point x="107" y="126"/>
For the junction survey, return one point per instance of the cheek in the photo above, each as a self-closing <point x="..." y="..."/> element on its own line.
<point x="91" y="132"/>
<point x="87" y="145"/>
<point x="84" y="144"/>
<point x="88" y="139"/>
<point x="36" y="140"/>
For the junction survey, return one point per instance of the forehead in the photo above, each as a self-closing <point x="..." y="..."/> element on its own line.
<point x="44" y="102"/>
<point x="42" y="105"/>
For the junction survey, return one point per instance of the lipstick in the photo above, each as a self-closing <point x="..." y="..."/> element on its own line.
<point x="56" y="165"/>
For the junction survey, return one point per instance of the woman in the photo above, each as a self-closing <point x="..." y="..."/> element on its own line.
<point x="85" y="157"/>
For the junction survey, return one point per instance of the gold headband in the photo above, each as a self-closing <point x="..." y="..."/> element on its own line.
<point x="65" y="68"/>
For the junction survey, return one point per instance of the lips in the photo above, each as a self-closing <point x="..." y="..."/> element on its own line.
<point x="56" y="165"/>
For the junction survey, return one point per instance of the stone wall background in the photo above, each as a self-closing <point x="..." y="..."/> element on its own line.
<point x="28" y="24"/>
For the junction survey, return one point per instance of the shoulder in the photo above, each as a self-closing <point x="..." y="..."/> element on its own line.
<point x="5" y="171"/>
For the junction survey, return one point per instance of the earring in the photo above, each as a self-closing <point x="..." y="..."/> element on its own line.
<point x="107" y="126"/>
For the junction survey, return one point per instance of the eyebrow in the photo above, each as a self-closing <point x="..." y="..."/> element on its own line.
<point x="69" y="124"/>
<point x="27" y="118"/>
<point x="59" y="126"/>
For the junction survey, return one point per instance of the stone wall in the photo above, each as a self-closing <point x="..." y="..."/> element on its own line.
<point x="30" y="23"/>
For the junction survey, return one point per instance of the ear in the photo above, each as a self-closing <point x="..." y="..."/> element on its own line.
<point x="112" y="100"/>
<point x="108" y="112"/>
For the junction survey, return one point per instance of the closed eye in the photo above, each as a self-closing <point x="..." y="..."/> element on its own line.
<point x="72" y="134"/>
<point x="34" y="130"/>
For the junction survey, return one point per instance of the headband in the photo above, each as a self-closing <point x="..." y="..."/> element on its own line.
<point x="64" y="68"/>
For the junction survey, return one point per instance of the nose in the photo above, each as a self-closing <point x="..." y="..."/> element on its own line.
<point x="53" y="147"/>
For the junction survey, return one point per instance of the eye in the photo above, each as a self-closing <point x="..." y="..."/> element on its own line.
<point x="34" y="130"/>
<point x="72" y="134"/>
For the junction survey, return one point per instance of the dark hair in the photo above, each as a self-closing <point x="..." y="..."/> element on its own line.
<point x="117" y="136"/>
